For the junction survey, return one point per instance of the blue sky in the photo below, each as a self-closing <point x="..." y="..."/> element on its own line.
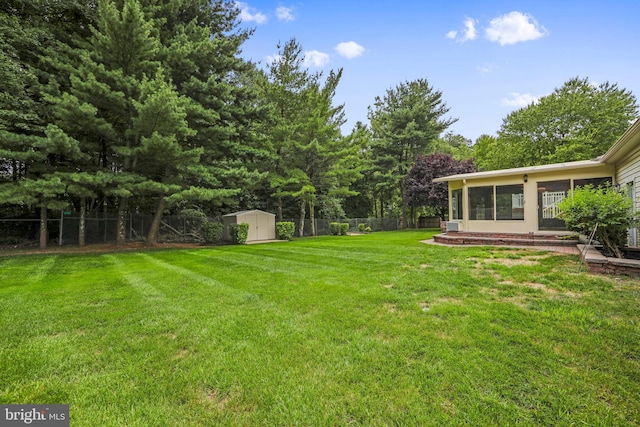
<point x="487" y="58"/>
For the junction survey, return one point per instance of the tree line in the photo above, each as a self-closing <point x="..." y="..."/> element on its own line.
<point x="147" y="106"/>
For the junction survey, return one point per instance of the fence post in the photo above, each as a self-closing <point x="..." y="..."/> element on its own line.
<point x="60" y="234"/>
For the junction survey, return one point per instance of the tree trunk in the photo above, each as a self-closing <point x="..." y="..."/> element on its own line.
<point x="405" y="222"/>
<point x="303" y="205"/>
<point x="280" y="209"/>
<point x="152" y="237"/>
<point x="312" y="217"/>
<point x="82" y="225"/>
<point x="43" y="227"/>
<point x="121" y="238"/>
<point x="610" y="246"/>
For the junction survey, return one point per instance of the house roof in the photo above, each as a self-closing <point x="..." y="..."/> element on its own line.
<point x="521" y="171"/>
<point x="247" y="212"/>
<point x="629" y="141"/>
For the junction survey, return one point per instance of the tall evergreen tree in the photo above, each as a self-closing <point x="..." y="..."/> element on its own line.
<point x="31" y="150"/>
<point x="310" y="152"/>
<point x="405" y="122"/>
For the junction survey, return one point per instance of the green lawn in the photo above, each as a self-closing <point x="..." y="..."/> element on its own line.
<point x="376" y="329"/>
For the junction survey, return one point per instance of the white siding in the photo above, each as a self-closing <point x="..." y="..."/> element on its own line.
<point x="628" y="171"/>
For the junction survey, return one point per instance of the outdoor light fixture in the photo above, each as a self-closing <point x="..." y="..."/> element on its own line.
<point x="525" y="177"/>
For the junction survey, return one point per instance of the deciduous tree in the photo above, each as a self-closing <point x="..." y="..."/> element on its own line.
<point x="577" y="121"/>
<point x="420" y="190"/>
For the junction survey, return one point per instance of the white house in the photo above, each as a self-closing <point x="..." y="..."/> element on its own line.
<point x="524" y="200"/>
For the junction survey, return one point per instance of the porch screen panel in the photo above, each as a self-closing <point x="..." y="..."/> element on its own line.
<point x="510" y="202"/>
<point x="456" y="204"/>
<point x="481" y="203"/>
<point x="550" y="194"/>
<point x="595" y="182"/>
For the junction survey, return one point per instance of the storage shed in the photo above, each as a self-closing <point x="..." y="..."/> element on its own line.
<point x="262" y="225"/>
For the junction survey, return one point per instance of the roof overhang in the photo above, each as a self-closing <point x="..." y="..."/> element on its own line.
<point x="582" y="164"/>
<point x="627" y="143"/>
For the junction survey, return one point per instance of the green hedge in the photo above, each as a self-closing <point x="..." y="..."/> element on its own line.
<point x="334" y="228"/>
<point x="285" y="230"/>
<point x="211" y="231"/>
<point x="337" y="228"/>
<point x="239" y="233"/>
<point x="344" y="227"/>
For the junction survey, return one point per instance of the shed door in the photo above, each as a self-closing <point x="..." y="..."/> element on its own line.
<point x="260" y="227"/>
<point x="252" y="220"/>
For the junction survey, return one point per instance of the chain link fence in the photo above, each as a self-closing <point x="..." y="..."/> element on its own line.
<point x="99" y="229"/>
<point x="102" y="229"/>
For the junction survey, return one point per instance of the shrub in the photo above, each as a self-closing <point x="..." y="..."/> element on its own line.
<point x="334" y="228"/>
<point x="368" y="229"/>
<point x="285" y="230"/>
<point x="604" y="207"/>
<point x="239" y="233"/>
<point x="211" y="231"/>
<point x="361" y="227"/>
<point x="344" y="227"/>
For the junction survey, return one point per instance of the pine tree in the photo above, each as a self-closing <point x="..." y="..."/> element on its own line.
<point x="305" y="133"/>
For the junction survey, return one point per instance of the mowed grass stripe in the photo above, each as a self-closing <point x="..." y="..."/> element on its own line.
<point x="348" y="255"/>
<point x="150" y="293"/>
<point x="425" y="336"/>
<point x="268" y="262"/>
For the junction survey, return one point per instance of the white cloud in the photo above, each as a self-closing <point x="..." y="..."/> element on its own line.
<point x="273" y="58"/>
<point x="285" y="14"/>
<point x="487" y="67"/>
<point x="349" y="50"/>
<point x="469" y="32"/>
<point x="520" y="100"/>
<point x="314" y="58"/>
<point x="514" y="27"/>
<point x="250" y="14"/>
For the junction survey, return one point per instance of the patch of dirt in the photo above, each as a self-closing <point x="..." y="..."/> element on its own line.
<point x="509" y="262"/>
<point x="181" y="354"/>
<point x="532" y="285"/>
<point x="215" y="398"/>
<point x="391" y="308"/>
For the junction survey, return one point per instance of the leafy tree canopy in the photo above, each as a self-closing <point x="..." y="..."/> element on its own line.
<point x="578" y="121"/>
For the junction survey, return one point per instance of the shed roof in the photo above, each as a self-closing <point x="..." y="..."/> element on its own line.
<point x="248" y="211"/>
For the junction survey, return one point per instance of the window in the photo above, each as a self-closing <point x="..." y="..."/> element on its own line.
<point x="481" y="203"/>
<point x="510" y="202"/>
<point x="595" y="182"/>
<point x="456" y="204"/>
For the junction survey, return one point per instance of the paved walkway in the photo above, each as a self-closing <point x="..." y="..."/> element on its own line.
<point x="569" y="250"/>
